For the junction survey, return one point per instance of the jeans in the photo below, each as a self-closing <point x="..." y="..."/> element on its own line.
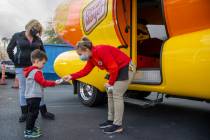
<point x="33" y="112"/>
<point x="22" y="87"/>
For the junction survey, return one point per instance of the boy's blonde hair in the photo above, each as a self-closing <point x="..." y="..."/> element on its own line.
<point x="34" y="24"/>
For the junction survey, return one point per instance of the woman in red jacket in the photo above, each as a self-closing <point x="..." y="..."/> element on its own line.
<point x="121" y="72"/>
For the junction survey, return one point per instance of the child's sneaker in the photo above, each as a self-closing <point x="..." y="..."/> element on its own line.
<point x="37" y="129"/>
<point x="31" y="134"/>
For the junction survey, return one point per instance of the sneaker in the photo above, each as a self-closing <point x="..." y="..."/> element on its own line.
<point x="31" y="134"/>
<point x="113" y="129"/>
<point x="45" y="114"/>
<point x="36" y="129"/>
<point x="48" y="116"/>
<point x="106" y="124"/>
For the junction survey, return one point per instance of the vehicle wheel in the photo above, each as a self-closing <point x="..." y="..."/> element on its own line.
<point x="138" y="94"/>
<point x="89" y="95"/>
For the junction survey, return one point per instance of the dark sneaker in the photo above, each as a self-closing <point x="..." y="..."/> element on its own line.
<point x="45" y="114"/>
<point x="106" y="124"/>
<point x="36" y="129"/>
<point x="31" y="134"/>
<point x="48" y="116"/>
<point x="113" y="129"/>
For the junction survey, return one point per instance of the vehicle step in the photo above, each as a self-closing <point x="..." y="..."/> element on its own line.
<point x="145" y="103"/>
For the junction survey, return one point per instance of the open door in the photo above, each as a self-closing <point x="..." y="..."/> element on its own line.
<point x="151" y="35"/>
<point x="122" y="20"/>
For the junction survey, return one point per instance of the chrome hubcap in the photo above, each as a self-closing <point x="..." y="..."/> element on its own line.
<point x="86" y="91"/>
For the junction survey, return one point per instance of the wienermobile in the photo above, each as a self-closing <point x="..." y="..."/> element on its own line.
<point x="168" y="40"/>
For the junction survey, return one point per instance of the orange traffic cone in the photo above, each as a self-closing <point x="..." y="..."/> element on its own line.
<point x="16" y="83"/>
<point x="3" y="76"/>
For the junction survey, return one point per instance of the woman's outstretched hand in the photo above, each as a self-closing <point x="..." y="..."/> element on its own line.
<point x="67" y="78"/>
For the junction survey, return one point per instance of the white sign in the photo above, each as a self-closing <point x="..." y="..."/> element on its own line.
<point x="93" y="14"/>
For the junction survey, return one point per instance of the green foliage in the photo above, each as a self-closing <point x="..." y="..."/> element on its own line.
<point x="50" y="36"/>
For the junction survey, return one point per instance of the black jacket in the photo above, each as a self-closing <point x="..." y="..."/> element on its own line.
<point x="22" y="58"/>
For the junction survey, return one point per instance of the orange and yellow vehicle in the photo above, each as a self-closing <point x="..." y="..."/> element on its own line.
<point x="168" y="40"/>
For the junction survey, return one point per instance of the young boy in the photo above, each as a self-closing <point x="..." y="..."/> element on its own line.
<point x="35" y="84"/>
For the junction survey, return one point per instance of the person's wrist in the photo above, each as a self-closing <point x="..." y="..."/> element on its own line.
<point x="110" y="84"/>
<point x="70" y="77"/>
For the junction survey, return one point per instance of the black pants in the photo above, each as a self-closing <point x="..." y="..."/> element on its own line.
<point x="33" y="112"/>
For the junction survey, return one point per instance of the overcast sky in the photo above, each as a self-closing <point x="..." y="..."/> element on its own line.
<point x="14" y="14"/>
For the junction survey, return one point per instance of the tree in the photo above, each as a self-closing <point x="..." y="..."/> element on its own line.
<point x="5" y="40"/>
<point x="3" y="53"/>
<point x="50" y="36"/>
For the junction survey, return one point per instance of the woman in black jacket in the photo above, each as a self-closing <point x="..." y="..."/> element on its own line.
<point x="25" y="42"/>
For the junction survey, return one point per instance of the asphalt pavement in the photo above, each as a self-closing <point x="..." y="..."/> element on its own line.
<point x="175" y="119"/>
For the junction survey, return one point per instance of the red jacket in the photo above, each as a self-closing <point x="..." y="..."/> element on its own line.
<point x="39" y="78"/>
<point x="105" y="57"/>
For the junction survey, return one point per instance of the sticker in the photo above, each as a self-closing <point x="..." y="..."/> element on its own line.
<point x="93" y="14"/>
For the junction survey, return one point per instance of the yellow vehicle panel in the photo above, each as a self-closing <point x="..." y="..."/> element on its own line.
<point x="186" y="64"/>
<point x="69" y="62"/>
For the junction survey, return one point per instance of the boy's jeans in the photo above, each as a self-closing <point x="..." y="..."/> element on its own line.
<point x="22" y="87"/>
<point x="33" y="112"/>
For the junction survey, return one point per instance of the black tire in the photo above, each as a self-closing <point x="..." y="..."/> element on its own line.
<point x="137" y="94"/>
<point x="89" y="95"/>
